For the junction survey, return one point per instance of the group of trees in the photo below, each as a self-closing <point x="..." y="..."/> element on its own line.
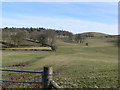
<point x="79" y="38"/>
<point x="46" y="37"/>
<point x="16" y="36"/>
<point x="13" y="38"/>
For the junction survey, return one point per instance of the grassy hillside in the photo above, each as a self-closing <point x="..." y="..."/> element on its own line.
<point x="75" y="65"/>
<point x="96" y="33"/>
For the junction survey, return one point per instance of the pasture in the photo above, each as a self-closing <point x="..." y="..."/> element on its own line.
<point x="75" y="65"/>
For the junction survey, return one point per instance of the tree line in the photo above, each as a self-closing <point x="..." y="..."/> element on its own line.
<point x="14" y="37"/>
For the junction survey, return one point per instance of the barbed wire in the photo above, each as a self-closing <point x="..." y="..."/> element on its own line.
<point x="85" y="72"/>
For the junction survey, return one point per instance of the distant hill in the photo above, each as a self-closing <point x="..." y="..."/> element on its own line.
<point x="94" y="34"/>
<point x="59" y="32"/>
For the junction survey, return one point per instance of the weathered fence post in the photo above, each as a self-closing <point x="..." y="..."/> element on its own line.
<point x="46" y="78"/>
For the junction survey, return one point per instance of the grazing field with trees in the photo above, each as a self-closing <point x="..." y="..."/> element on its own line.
<point x="83" y="60"/>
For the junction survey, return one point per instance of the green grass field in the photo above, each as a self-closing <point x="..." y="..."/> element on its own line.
<point x="74" y="65"/>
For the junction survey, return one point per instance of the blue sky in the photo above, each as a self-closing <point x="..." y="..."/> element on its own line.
<point x="76" y="17"/>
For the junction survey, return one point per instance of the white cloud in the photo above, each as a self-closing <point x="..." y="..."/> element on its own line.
<point x="71" y="24"/>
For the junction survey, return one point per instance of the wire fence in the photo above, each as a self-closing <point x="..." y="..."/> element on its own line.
<point x="100" y="78"/>
<point x="92" y="79"/>
<point x="24" y="71"/>
<point x="101" y="71"/>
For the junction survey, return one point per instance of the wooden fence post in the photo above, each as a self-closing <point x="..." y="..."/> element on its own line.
<point x="46" y="78"/>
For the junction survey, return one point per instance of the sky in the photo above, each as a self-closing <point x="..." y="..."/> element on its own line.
<point x="76" y="17"/>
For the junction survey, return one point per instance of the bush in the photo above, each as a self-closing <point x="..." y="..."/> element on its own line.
<point x="53" y="47"/>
